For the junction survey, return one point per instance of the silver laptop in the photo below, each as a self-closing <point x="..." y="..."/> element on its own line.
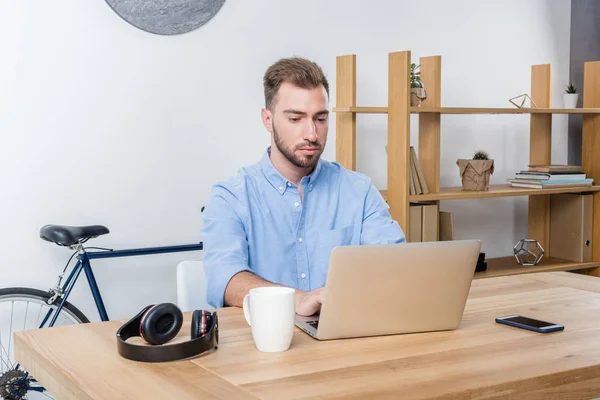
<point x="388" y="289"/>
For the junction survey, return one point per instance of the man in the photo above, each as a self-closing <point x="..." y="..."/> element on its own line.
<point x="276" y="222"/>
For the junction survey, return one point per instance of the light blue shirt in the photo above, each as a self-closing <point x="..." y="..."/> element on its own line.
<point x="256" y="222"/>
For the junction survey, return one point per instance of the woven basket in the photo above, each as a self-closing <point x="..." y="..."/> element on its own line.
<point x="475" y="174"/>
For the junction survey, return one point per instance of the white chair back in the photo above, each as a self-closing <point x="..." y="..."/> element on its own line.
<point x="191" y="286"/>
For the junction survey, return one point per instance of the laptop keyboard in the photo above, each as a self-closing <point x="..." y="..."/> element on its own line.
<point x="314" y="324"/>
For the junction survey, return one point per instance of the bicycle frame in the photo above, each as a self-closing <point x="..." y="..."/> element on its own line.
<point x="83" y="263"/>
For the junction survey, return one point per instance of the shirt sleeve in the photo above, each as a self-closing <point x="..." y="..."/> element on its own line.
<point x="378" y="227"/>
<point x="225" y="244"/>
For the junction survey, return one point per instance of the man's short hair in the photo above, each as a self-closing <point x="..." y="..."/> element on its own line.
<point x="295" y="70"/>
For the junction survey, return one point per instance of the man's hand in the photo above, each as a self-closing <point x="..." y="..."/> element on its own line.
<point x="309" y="303"/>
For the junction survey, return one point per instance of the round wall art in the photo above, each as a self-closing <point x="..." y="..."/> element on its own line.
<point x="166" y="17"/>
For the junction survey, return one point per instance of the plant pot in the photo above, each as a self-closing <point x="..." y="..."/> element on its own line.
<point x="570" y="100"/>
<point x="475" y="174"/>
<point x="417" y="95"/>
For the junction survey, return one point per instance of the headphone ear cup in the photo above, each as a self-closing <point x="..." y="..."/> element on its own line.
<point x="215" y="320"/>
<point x="161" y="323"/>
<point x="201" y="323"/>
<point x="195" y="328"/>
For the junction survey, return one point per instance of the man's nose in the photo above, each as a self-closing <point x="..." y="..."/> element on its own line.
<point x="310" y="131"/>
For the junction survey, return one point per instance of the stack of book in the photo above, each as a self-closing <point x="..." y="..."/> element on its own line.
<point x="417" y="180"/>
<point x="551" y="176"/>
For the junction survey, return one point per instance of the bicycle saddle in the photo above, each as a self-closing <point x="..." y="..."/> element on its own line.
<point x="70" y="235"/>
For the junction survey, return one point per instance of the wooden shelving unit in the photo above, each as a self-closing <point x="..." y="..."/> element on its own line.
<point x="398" y="113"/>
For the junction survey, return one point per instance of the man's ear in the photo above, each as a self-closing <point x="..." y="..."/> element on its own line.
<point x="267" y="119"/>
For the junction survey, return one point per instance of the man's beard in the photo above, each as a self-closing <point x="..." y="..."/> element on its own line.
<point x="308" y="161"/>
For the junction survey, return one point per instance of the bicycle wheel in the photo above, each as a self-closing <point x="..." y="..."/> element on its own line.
<point x="23" y="309"/>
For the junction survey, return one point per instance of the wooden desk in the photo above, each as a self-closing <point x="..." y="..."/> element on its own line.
<point x="482" y="359"/>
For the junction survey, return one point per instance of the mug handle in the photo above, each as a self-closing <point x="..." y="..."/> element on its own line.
<point x="246" y="308"/>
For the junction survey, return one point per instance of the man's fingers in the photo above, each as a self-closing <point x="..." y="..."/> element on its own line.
<point x="309" y="303"/>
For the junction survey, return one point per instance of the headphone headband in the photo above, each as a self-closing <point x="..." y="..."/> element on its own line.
<point x="163" y="353"/>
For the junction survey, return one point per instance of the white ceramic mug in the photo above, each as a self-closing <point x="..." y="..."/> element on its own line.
<point x="271" y="313"/>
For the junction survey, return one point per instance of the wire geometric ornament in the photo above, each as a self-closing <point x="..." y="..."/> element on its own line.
<point x="524" y="96"/>
<point x="528" y="252"/>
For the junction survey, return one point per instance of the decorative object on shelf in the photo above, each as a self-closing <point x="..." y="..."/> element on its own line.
<point x="475" y="173"/>
<point x="166" y="17"/>
<point x="570" y="96"/>
<point x="528" y="252"/>
<point x="524" y="97"/>
<point x="417" y="92"/>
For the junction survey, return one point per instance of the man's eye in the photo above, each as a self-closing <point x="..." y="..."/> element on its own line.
<point x="294" y="119"/>
<point x="322" y="119"/>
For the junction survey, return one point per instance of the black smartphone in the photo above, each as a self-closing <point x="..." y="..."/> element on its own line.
<point x="531" y="324"/>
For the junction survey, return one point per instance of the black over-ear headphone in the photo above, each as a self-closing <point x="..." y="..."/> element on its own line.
<point x="159" y="323"/>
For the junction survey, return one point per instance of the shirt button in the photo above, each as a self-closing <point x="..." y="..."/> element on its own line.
<point x="300" y="240"/>
<point x="303" y="275"/>
<point x="296" y="204"/>
<point x="289" y="184"/>
<point x="310" y="187"/>
<point x="280" y="187"/>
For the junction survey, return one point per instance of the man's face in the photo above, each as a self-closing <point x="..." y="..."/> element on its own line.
<point x="299" y="122"/>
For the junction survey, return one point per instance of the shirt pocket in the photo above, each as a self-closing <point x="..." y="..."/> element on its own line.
<point x="326" y="240"/>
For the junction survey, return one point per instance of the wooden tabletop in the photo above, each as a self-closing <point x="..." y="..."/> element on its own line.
<point x="482" y="359"/>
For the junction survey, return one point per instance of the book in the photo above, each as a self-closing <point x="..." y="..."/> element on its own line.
<point x="446" y="226"/>
<point x="425" y="223"/>
<point x="554" y="168"/>
<point x="571" y="226"/>
<point x="551" y="181"/>
<point x="552" y="173"/>
<point x="430" y="223"/>
<point x="419" y="171"/>
<point x="417" y="179"/>
<point x="543" y="176"/>
<point x="413" y="172"/>
<point x="546" y="185"/>
<point x="416" y="223"/>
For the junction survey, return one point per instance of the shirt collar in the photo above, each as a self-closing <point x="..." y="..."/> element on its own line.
<point x="278" y="181"/>
<point x="312" y="178"/>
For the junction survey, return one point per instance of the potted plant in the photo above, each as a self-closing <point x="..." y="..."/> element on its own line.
<point x="475" y="173"/>
<point x="417" y="92"/>
<point x="571" y="96"/>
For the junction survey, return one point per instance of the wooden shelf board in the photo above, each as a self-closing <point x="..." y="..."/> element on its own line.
<point x="503" y="266"/>
<point x="457" y="193"/>
<point x="471" y="110"/>
<point x="475" y="110"/>
<point x="362" y="110"/>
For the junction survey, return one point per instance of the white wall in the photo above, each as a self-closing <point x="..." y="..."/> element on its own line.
<point x="102" y="123"/>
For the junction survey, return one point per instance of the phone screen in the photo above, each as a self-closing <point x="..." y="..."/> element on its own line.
<point x="529" y="321"/>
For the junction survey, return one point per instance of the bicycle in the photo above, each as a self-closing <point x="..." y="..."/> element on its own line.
<point x="15" y="382"/>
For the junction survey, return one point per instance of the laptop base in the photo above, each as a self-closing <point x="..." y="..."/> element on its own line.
<point x="308" y="324"/>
